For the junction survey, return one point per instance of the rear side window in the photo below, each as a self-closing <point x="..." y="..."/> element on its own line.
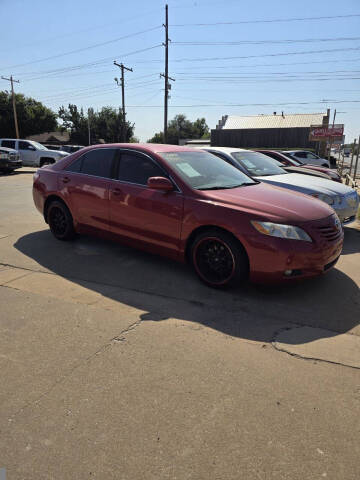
<point x="98" y="163"/>
<point x="75" y="166"/>
<point x="136" y="168"/>
<point x="8" y="143"/>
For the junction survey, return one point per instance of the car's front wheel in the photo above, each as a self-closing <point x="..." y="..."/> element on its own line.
<point x="219" y="259"/>
<point x="60" y="221"/>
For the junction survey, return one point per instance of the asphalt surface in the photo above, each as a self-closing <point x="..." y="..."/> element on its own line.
<point x="115" y="364"/>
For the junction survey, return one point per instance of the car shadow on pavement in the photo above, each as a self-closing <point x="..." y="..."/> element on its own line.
<point x="164" y="289"/>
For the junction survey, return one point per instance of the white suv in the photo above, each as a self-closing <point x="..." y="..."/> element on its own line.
<point x="33" y="154"/>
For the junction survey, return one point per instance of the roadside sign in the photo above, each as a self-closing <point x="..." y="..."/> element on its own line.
<point x="324" y="132"/>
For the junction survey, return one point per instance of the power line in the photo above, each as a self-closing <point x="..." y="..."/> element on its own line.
<point x="248" y="104"/>
<point x="86" y="48"/>
<point x="202" y="59"/>
<point x="277" y="20"/>
<point x="90" y="64"/>
<point x="262" y="42"/>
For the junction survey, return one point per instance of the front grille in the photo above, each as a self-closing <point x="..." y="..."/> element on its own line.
<point x="329" y="233"/>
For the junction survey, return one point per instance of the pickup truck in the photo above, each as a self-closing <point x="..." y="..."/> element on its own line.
<point x="33" y="154"/>
<point x="9" y="160"/>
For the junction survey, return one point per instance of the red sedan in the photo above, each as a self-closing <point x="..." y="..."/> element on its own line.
<point x="191" y="206"/>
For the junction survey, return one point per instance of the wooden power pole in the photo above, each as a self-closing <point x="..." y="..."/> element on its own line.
<point x="122" y="83"/>
<point x="11" y="80"/>
<point x="166" y="74"/>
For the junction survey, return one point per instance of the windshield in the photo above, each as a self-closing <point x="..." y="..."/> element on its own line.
<point x="311" y="156"/>
<point x="292" y="158"/>
<point x="257" y="164"/>
<point x="38" y="145"/>
<point x="204" y="171"/>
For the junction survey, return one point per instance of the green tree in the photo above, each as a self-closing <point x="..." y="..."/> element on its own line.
<point x="180" y="128"/>
<point x="106" y="125"/>
<point x="33" y="116"/>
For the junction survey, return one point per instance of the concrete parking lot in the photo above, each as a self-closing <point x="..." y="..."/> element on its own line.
<point x="116" y="364"/>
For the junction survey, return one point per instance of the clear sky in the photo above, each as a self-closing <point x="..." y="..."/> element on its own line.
<point x="246" y="64"/>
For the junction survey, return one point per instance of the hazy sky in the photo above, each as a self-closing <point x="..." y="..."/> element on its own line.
<point x="64" y="51"/>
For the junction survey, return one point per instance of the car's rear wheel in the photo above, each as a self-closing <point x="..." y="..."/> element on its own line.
<point x="219" y="259"/>
<point x="60" y="221"/>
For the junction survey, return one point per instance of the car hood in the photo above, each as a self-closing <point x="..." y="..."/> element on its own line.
<point x="57" y="152"/>
<point x="271" y="203"/>
<point x="307" y="184"/>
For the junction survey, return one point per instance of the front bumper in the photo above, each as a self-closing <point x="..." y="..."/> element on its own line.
<point x="9" y="165"/>
<point x="270" y="258"/>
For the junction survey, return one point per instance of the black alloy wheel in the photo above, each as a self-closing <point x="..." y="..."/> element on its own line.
<point x="60" y="221"/>
<point x="218" y="259"/>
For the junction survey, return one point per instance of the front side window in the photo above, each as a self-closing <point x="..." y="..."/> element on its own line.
<point x="136" y="168"/>
<point x="257" y="164"/>
<point x="26" y="146"/>
<point x="205" y="171"/>
<point x="8" y="143"/>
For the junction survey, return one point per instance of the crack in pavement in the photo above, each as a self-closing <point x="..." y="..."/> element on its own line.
<point x="120" y="337"/>
<point x="303" y="357"/>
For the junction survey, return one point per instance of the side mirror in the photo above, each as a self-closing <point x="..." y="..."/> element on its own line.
<point x="160" y="183"/>
<point x="30" y="147"/>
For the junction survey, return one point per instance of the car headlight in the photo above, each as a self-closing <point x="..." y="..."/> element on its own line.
<point x="282" y="231"/>
<point x="325" y="198"/>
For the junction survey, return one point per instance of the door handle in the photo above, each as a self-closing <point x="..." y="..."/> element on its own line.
<point x="66" y="179"/>
<point x="116" y="191"/>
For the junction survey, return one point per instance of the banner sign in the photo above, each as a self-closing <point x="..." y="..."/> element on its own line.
<point x="324" y="132"/>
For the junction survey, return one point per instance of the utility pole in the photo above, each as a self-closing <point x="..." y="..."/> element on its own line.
<point x="330" y="139"/>
<point x="166" y="74"/>
<point x="357" y="160"/>
<point x="89" y="134"/>
<point x="122" y="83"/>
<point x="11" y="80"/>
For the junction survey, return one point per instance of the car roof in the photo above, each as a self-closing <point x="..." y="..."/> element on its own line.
<point x="148" y="147"/>
<point x="227" y="149"/>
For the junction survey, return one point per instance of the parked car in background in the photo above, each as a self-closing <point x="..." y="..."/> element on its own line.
<point x="189" y="205"/>
<point x="291" y="164"/>
<point x="71" y="148"/>
<point x="308" y="157"/>
<point x="343" y="199"/>
<point x="9" y="159"/>
<point x="33" y="154"/>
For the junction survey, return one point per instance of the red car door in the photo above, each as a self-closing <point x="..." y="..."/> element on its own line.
<point x="85" y="187"/>
<point x="149" y="218"/>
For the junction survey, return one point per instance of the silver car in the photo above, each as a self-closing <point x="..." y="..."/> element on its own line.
<point x="343" y="199"/>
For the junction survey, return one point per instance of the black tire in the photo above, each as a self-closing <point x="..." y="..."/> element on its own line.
<point x="219" y="259"/>
<point x="60" y="221"/>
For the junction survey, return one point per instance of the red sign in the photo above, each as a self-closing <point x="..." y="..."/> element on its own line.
<point x="322" y="132"/>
